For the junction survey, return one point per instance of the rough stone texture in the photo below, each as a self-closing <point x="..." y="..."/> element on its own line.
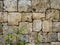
<point x="10" y="5"/>
<point x="56" y="26"/>
<point x="53" y="36"/>
<point x="3" y="17"/>
<point x="1" y="6"/>
<point x="58" y="36"/>
<point x="55" y="4"/>
<point x="43" y="37"/>
<point x="52" y="14"/>
<point x="47" y="26"/>
<point x="37" y="25"/>
<point x="40" y="5"/>
<point x="37" y="20"/>
<point x="38" y="15"/>
<point x="14" y="18"/>
<point x="24" y="5"/>
<point x="27" y="17"/>
<point x="55" y="43"/>
<point x="27" y="27"/>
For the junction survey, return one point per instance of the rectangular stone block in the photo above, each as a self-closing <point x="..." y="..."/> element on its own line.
<point x="26" y="17"/>
<point x="14" y="18"/>
<point x="10" y="5"/>
<point x="44" y="44"/>
<point x="55" y="4"/>
<point x="24" y="5"/>
<point x="47" y="26"/>
<point x="52" y="14"/>
<point x="58" y="36"/>
<point x="56" y="26"/>
<point x="38" y="16"/>
<point x="40" y="5"/>
<point x="55" y="43"/>
<point x="1" y="5"/>
<point x="43" y="37"/>
<point x="27" y="27"/>
<point x="53" y="36"/>
<point x="37" y="25"/>
<point x="3" y="17"/>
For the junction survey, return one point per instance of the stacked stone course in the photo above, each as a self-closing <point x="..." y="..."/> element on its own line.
<point x="41" y="16"/>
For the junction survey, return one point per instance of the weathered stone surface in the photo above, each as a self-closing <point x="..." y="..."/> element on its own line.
<point x="9" y="29"/>
<point x="26" y="26"/>
<point x="58" y="36"/>
<point x="55" y="43"/>
<point x="37" y="25"/>
<point x="38" y="15"/>
<point x="1" y="39"/>
<point x="14" y="18"/>
<point x="55" y="4"/>
<point x="10" y="5"/>
<point x="31" y="43"/>
<point x="24" y="5"/>
<point x="24" y="38"/>
<point x="56" y="26"/>
<point x="53" y="36"/>
<point x="1" y="29"/>
<point x="32" y="37"/>
<point x="44" y="44"/>
<point x="43" y="37"/>
<point x="1" y="6"/>
<point x="40" y="5"/>
<point x="27" y="17"/>
<point x="47" y="26"/>
<point x="52" y="14"/>
<point x="3" y="17"/>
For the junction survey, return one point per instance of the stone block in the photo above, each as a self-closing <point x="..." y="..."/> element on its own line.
<point x="55" y="4"/>
<point x="43" y="37"/>
<point x="53" y="36"/>
<point x="1" y="6"/>
<point x="24" y="5"/>
<point x="14" y="18"/>
<point x="38" y="15"/>
<point x="27" y="17"/>
<point x="47" y="26"/>
<point x="56" y="27"/>
<point x="27" y="27"/>
<point x="58" y="36"/>
<point x="52" y="14"/>
<point x="40" y="5"/>
<point x="10" y="5"/>
<point x="55" y="43"/>
<point x="37" y="25"/>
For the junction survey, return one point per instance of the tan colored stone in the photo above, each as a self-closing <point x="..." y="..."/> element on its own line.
<point x="38" y="15"/>
<point x="27" y="17"/>
<point x="26" y="26"/>
<point x="52" y="14"/>
<point x="56" y="26"/>
<point x="14" y="18"/>
<point x="24" y="5"/>
<point x="55" y="43"/>
<point x="55" y="4"/>
<point x="37" y="25"/>
<point x="1" y="5"/>
<point x="47" y="26"/>
<point x="40" y="5"/>
<point x="3" y="17"/>
<point x="58" y="36"/>
<point x="10" y="5"/>
<point x="31" y="43"/>
<point x="43" y="37"/>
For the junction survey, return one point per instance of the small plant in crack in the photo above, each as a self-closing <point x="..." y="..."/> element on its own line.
<point x="36" y="38"/>
<point x="10" y="37"/>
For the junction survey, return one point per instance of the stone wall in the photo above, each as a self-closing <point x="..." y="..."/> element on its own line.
<point x="41" y="16"/>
